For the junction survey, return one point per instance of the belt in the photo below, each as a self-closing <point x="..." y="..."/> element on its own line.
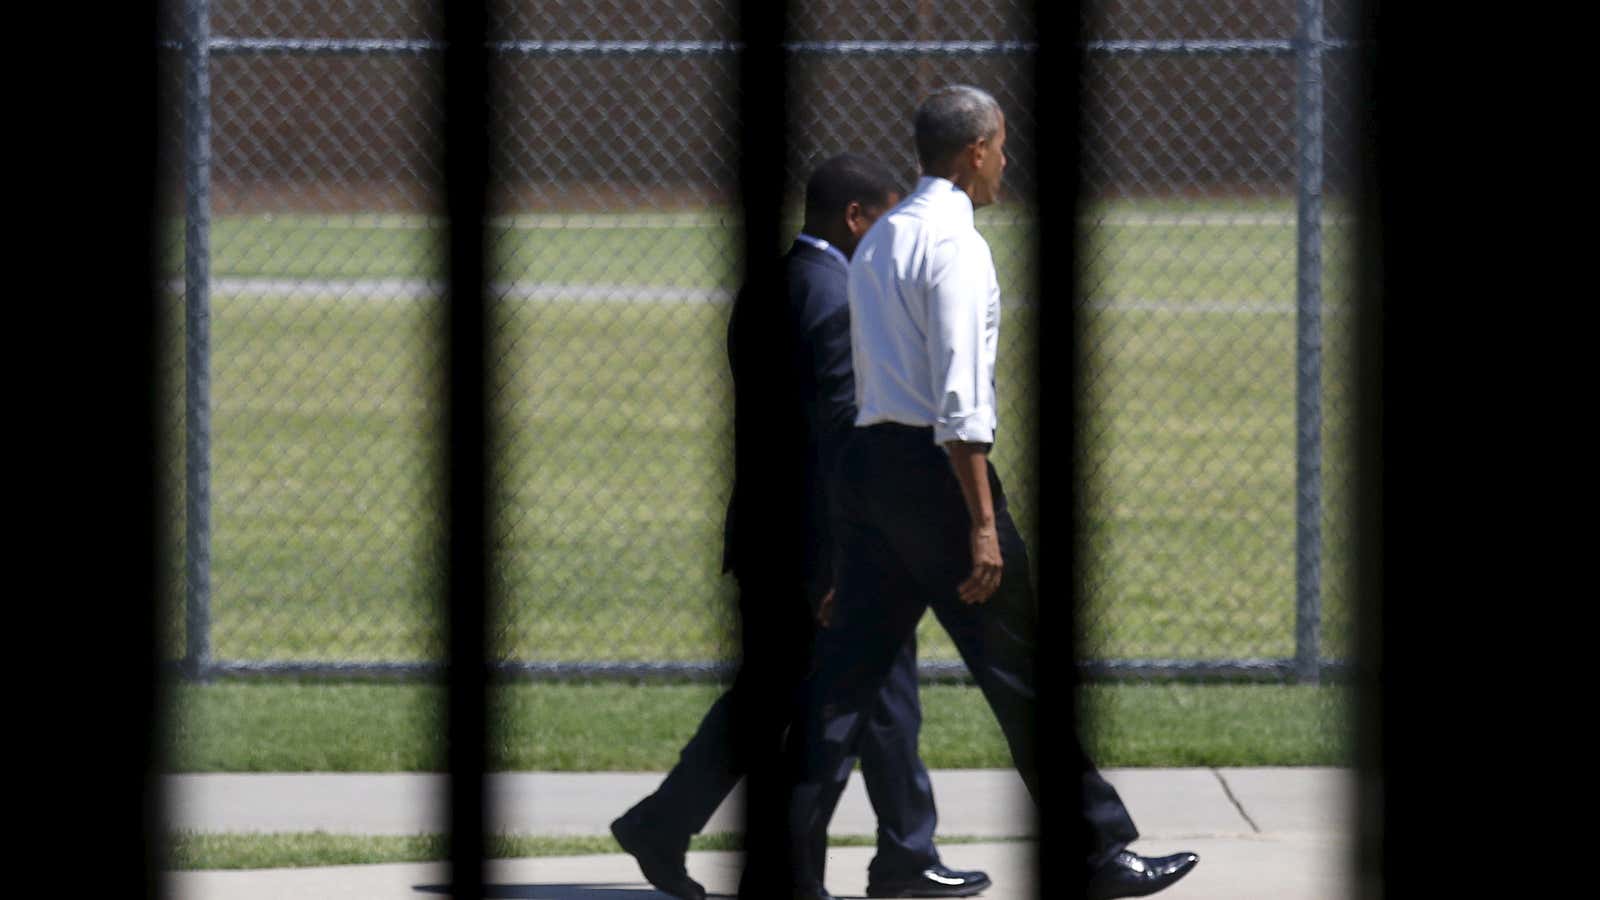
<point x="898" y="428"/>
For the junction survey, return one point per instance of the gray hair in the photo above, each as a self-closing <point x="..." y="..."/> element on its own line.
<point x="951" y="118"/>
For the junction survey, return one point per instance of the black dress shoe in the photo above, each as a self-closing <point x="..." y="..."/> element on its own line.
<point x="662" y="866"/>
<point x="934" y="881"/>
<point x="1132" y="875"/>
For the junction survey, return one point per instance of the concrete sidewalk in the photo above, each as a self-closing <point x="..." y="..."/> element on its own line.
<point x="1275" y="833"/>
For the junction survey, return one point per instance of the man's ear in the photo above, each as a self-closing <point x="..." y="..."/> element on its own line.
<point x="978" y="151"/>
<point x="855" y="218"/>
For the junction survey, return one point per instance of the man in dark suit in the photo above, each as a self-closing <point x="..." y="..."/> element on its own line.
<point x="794" y="404"/>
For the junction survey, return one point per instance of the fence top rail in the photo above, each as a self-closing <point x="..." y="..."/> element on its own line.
<point x="235" y="46"/>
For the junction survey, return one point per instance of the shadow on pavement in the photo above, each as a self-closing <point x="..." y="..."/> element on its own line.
<point x="552" y="891"/>
<point x="570" y="892"/>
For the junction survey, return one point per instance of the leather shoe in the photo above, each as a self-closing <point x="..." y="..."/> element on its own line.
<point x="934" y="881"/>
<point x="663" y="867"/>
<point x="1132" y="875"/>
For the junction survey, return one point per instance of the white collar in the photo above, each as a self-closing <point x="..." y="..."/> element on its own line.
<point x="824" y="246"/>
<point x="941" y="191"/>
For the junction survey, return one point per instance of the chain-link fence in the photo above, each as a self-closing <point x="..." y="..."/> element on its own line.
<point x="307" y="384"/>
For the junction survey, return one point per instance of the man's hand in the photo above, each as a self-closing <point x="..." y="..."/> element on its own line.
<point x="987" y="566"/>
<point x="825" y="609"/>
<point x="971" y="464"/>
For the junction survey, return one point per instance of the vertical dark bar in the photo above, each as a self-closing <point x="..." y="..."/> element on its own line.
<point x="1368" y="512"/>
<point x="1433" y="745"/>
<point x="466" y="173"/>
<point x="1057" y="85"/>
<point x="1467" y="430"/>
<point x="128" y="453"/>
<point x="763" y="124"/>
<point x="86" y="453"/>
<point x="764" y="452"/>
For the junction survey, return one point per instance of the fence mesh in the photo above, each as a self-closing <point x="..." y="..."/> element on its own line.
<point x="325" y="357"/>
<point x="614" y="254"/>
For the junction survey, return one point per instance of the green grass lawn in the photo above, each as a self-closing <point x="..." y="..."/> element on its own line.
<point x="614" y="417"/>
<point x="194" y="851"/>
<point x="312" y="727"/>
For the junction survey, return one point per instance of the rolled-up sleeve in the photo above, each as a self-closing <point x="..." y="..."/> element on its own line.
<point x="962" y="278"/>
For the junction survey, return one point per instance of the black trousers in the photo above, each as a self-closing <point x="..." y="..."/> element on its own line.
<point x="903" y="546"/>
<point x="747" y="724"/>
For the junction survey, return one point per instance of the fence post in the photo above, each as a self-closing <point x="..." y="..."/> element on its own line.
<point x="1308" y="344"/>
<point x="197" y="335"/>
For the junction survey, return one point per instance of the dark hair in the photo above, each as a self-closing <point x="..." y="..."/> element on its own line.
<point x="845" y="179"/>
<point x="951" y="118"/>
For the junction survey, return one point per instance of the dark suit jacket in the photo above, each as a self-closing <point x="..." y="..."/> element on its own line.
<point x="794" y="383"/>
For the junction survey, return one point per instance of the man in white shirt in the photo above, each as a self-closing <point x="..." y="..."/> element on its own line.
<point x="920" y="515"/>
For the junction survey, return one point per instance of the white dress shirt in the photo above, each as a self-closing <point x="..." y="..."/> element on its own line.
<point x="925" y="317"/>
